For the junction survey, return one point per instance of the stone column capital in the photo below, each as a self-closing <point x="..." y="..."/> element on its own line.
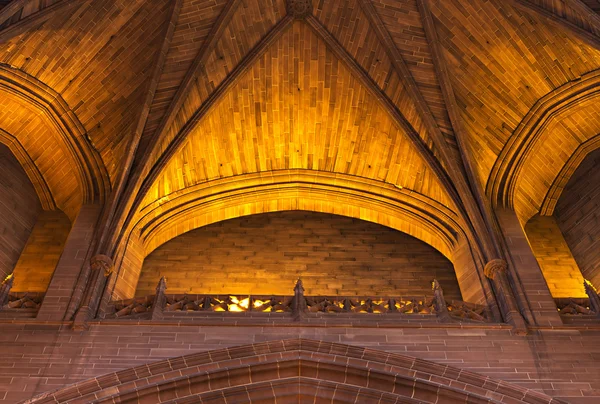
<point x="494" y="267"/>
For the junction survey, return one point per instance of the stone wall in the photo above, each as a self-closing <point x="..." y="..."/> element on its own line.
<point x="42" y="252"/>
<point x="560" y="270"/>
<point x="19" y="208"/>
<point x="41" y="357"/>
<point x="578" y="215"/>
<point x="267" y="253"/>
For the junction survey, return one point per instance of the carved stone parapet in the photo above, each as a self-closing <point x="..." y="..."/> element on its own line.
<point x="299" y="8"/>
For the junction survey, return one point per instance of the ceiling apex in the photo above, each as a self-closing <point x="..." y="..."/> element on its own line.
<point x="299" y="9"/>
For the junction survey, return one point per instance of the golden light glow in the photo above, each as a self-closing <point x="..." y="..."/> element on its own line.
<point x="590" y="285"/>
<point x="238" y="305"/>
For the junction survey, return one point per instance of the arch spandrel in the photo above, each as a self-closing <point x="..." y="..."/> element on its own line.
<point x="296" y="366"/>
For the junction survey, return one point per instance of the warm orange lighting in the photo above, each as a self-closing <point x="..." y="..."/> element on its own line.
<point x="238" y="305"/>
<point x="590" y="285"/>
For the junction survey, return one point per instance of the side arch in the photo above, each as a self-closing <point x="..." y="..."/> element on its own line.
<point x="324" y="192"/>
<point x="542" y="152"/>
<point x="32" y="100"/>
<point x="289" y="369"/>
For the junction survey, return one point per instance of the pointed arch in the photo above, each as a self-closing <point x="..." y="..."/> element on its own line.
<point x="309" y="190"/>
<point x="286" y="370"/>
<point x="31" y="99"/>
<point x="545" y="148"/>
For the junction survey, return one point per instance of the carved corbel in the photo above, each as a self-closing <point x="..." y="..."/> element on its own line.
<point x="496" y="270"/>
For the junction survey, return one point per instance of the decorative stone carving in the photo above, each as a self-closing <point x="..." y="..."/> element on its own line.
<point x="159" y="299"/>
<point x="103" y="263"/>
<point x="592" y="293"/>
<point x="495" y="267"/>
<point x="299" y="8"/>
<point x="439" y="303"/>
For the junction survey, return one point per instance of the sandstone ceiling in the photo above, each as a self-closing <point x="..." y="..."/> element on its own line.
<point x="447" y="100"/>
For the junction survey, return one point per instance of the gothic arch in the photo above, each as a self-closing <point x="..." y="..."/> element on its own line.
<point x="546" y="147"/>
<point x="77" y="153"/>
<point x="290" y="369"/>
<point x="345" y="195"/>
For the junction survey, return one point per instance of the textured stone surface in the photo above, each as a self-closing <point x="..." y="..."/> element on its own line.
<point x="578" y="215"/>
<point x="20" y="207"/>
<point x="37" y="358"/>
<point x="560" y="270"/>
<point x="266" y="254"/>
<point x="41" y="253"/>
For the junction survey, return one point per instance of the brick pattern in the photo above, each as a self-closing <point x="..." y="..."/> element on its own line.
<point x="558" y="139"/>
<point x="42" y="252"/>
<point x="403" y="21"/>
<point x="297" y="370"/>
<point x="526" y="270"/>
<point x="346" y="21"/>
<point x="251" y="21"/>
<point x="74" y="256"/>
<point x="33" y="128"/>
<point x="36" y="358"/>
<point x="266" y="254"/>
<point x="299" y="108"/>
<point x="578" y="215"/>
<point x="102" y="83"/>
<point x="496" y="63"/>
<point x="560" y="270"/>
<point x="19" y="208"/>
<point x="193" y="25"/>
<point x="573" y="12"/>
<point x="21" y="10"/>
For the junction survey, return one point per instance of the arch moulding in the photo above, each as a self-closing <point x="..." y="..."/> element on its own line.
<point x="288" y="370"/>
<point x="523" y="177"/>
<point x="345" y="195"/>
<point x="87" y="164"/>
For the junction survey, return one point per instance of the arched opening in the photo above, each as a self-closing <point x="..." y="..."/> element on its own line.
<point x="297" y="190"/>
<point x="32" y="238"/>
<point x="578" y="216"/>
<point x="266" y="253"/>
<point x="290" y="370"/>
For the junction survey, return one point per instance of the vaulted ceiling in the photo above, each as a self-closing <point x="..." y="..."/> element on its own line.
<point x="444" y="99"/>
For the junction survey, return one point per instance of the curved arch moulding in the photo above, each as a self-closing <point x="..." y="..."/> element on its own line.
<point x="344" y="195"/>
<point x="84" y="161"/>
<point x="545" y="149"/>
